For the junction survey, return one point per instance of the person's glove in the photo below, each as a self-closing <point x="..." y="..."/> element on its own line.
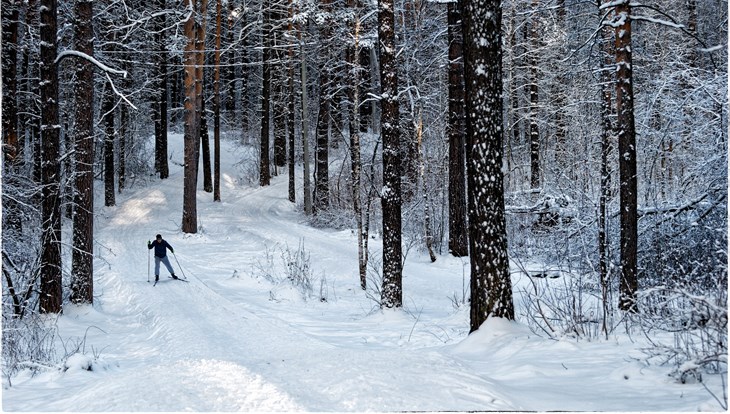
<point x="172" y="250"/>
<point x="148" y="243"/>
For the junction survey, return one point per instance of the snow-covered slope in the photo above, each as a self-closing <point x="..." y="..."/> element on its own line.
<point x="232" y="340"/>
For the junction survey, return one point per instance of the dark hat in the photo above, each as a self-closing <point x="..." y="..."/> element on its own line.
<point x="159" y="236"/>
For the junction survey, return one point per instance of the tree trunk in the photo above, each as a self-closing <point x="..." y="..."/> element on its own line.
<point x="534" y="129"/>
<point x="321" y="180"/>
<point x="123" y="131"/>
<point x="305" y="129"/>
<point x="190" y="209"/>
<point x="491" y="287"/>
<point x="628" y="284"/>
<point x="427" y="234"/>
<point x="392" y="289"/>
<point x="353" y="90"/>
<point x="217" y="107"/>
<point x="50" y="267"/>
<point x="264" y="163"/>
<point x="290" y="109"/>
<point x="107" y="109"/>
<point x="365" y="108"/>
<point x="205" y="148"/>
<point x="280" y="102"/>
<point x="160" y="107"/>
<point x="10" y="83"/>
<point x="606" y="148"/>
<point x="458" y="233"/>
<point x="82" y="268"/>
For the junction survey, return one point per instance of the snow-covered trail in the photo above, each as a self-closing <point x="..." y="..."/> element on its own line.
<point x="229" y="340"/>
<point x="205" y="346"/>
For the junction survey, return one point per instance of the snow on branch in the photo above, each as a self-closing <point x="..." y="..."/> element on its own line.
<point x="105" y="68"/>
<point x="658" y="21"/>
<point x="118" y="93"/>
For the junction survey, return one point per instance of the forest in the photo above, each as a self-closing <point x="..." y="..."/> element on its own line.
<point x="573" y="139"/>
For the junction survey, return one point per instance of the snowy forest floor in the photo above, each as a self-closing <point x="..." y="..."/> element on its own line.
<point x="240" y="337"/>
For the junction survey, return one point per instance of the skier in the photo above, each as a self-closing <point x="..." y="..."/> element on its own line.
<point x="161" y="247"/>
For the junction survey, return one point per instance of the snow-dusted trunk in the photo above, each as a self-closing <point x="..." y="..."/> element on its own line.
<point x="291" y="105"/>
<point x="107" y="109"/>
<point x="321" y="180"/>
<point x="491" y="287"/>
<point x="202" y="119"/>
<point x="534" y="129"/>
<point x="264" y="173"/>
<point x="10" y="82"/>
<point x="50" y="268"/>
<point x="392" y="290"/>
<point x="305" y="128"/>
<point x="606" y="148"/>
<point x="12" y="146"/>
<point x="190" y="208"/>
<point x="353" y="91"/>
<point x="82" y="268"/>
<point x="280" y="101"/>
<point x="458" y="232"/>
<point x="627" y="157"/>
<point x="160" y="104"/>
<point x="205" y="148"/>
<point x="217" y="107"/>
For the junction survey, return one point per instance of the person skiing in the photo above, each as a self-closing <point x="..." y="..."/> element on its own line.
<point x="161" y="247"/>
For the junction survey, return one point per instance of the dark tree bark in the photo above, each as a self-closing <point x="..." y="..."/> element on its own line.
<point x="50" y="268"/>
<point x="606" y="149"/>
<point x="123" y="131"/>
<point x="306" y="186"/>
<point x="491" y="287"/>
<point x="82" y="268"/>
<point x="290" y="109"/>
<point x="192" y="128"/>
<point x="628" y="283"/>
<point x="392" y="289"/>
<point x="458" y="233"/>
<point x="217" y="107"/>
<point x="205" y="148"/>
<point x="365" y="108"/>
<point x="321" y="179"/>
<point x="11" y="220"/>
<point x="229" y="72"/>
<point x="264" y="163"/>
<point x="353" y="91"/>
<point x="160" y="106"/>
<point x="280" y="101"/>
<point x="534" y="129"/>
<point x="107" y="109"/>
<point x="10" y="83"/>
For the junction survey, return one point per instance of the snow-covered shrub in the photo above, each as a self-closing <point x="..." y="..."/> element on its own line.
<point x="293" y="269"/>
<point x="27" y="343"/>
<point x="562" y="306"/>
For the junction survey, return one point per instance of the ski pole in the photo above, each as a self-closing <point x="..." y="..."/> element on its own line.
<point x="178" y="265"/>
<point x="148" y="265"/>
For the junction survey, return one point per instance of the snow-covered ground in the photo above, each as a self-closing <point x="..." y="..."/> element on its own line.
<point x="232" y="340"/>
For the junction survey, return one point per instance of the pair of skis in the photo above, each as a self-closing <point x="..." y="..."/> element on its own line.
<point x="170" y="277"/>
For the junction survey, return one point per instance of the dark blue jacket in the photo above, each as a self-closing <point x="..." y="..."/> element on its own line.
<point x="160" y="248"/>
